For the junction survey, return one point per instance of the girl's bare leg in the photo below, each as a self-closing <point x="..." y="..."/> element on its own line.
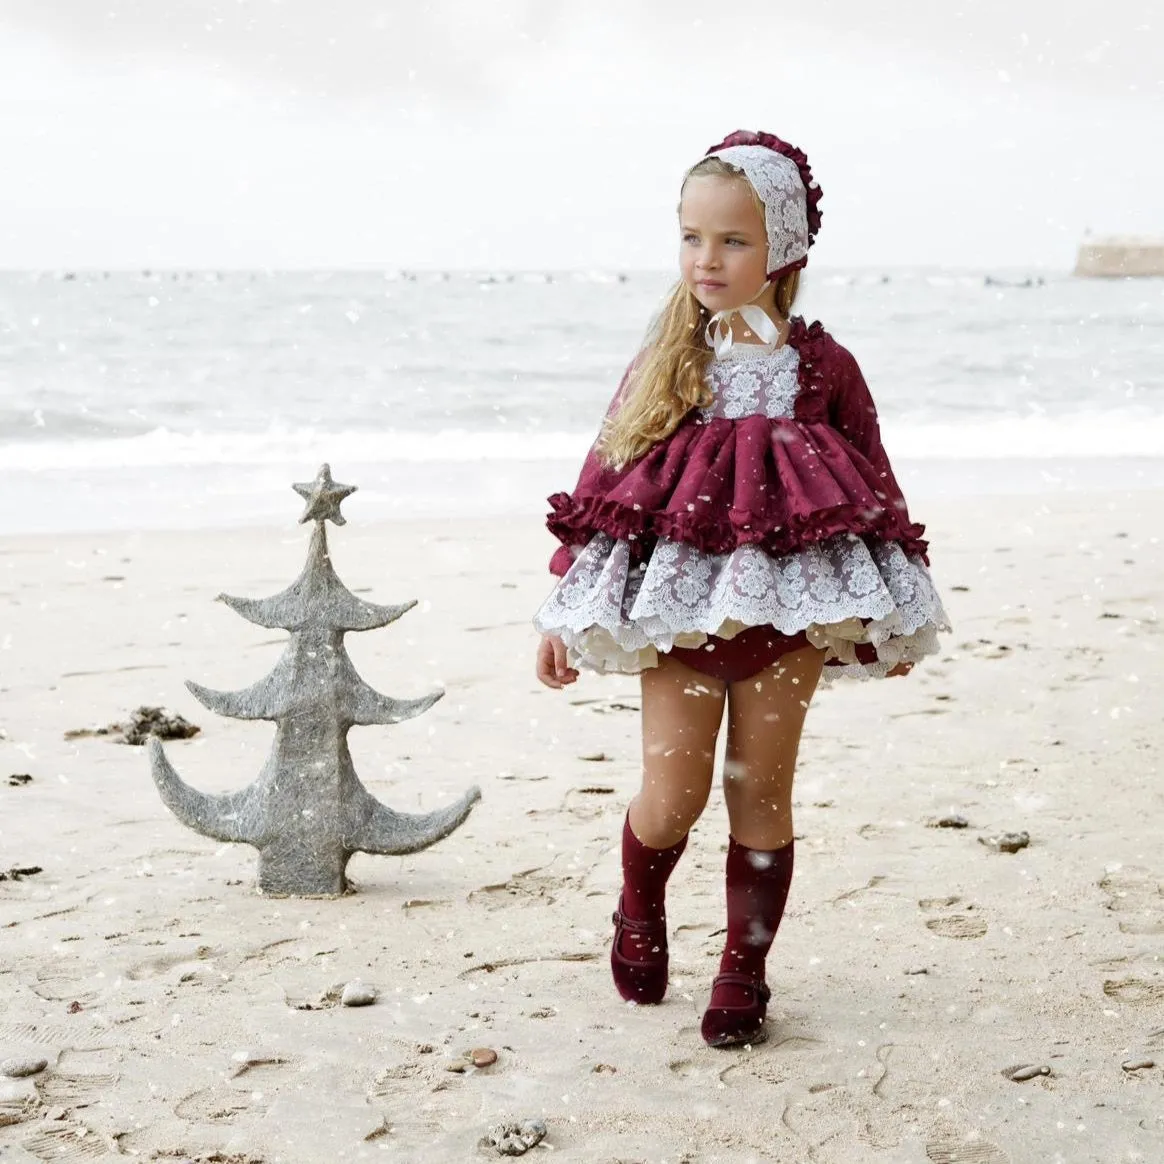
<point x="765" y="719"/>
<point x="682" y="713"/>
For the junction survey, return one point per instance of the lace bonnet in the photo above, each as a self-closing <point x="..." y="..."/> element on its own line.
<point x="780" y="175"/>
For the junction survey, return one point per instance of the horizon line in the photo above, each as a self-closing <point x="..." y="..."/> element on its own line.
<point x="373" y="268"/>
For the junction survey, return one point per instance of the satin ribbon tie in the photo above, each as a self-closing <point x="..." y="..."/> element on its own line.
<point x="718" y="332"/>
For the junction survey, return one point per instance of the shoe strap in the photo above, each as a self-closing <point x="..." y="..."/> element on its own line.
<point x="635" y="926"/>
<point x="739" y="978"/>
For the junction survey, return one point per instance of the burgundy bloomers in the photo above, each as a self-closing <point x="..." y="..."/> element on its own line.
<point x="749" y="653"/>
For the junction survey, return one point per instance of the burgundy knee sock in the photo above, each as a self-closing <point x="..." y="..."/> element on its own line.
<point x="757" y="889"/>
<point x="644" y="875"/>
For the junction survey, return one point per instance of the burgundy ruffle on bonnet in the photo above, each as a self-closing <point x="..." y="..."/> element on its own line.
<point x="780" y="175"/>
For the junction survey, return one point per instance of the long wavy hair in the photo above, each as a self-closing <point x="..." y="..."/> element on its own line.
<point x="667" y="378"/>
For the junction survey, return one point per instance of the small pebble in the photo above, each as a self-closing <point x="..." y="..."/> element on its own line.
<point x="1138" y="1064"/>
<point x="482" y="1056"/>
<point x="953" y="821"/>
<point x="917" y="970"/>
<point x="595" y="757"/>
<point x="357" y="994"/>
<point x="1006" y="842"/>
<point x="515" y="1139"/>
<point x="19" y="778"/>
<point x="1022" y="1074"/>
<point x="19" y="1068"/>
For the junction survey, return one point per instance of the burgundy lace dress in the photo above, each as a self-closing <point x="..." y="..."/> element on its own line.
<point x="776" y="506"/>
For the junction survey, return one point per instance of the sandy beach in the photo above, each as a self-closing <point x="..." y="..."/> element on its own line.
<point x="185" y="1017"/>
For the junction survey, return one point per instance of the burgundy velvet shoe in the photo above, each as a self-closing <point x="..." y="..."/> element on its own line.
<point x="735" y="1014"/>
<point x="642" y="978"/>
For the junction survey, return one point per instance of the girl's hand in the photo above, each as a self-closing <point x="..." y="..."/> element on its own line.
<point x="899" y="669"/>
<point x="551" y="663"/>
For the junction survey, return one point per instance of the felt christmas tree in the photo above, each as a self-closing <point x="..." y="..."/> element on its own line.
<point x="307" y="811"/>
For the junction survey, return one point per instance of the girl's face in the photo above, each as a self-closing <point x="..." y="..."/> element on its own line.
<point x="723" y="250"/>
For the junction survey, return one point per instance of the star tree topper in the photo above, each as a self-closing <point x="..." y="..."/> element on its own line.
<point x="323" y="497"/>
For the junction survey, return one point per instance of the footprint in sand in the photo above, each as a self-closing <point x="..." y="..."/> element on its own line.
<point x="1135" y="991"/>
<point x="387" y="1080"/>
<point x="289" y="950"/>
<point x="530" y="885"/>
<point x="683" y="1068"/>
<point x="952" y="925"/>
<point x="72" y="1089"/>
<point x="931" y="903"/>
<point x="965" y="1151"/>
<point x="219" y="1105"/>
<point x="766" y="1069"/>
<point x="823" y="1113"/>
<point x="1137" y="896"/>
<point x="78" y="1038"/>
<point x="905" y="1075"/>
<point x="68" y="1141"/>
<point x="957" y="926"/>
<point x="189" y="958"/>
<point x="54" y="987"/>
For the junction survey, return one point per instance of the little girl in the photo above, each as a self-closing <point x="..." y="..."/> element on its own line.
<point x="736" y="536"/>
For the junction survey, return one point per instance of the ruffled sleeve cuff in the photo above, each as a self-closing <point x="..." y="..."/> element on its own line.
<point x="562" y="560"/>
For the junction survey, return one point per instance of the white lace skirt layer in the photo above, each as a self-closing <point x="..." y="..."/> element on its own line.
<point x="617" y="618"/>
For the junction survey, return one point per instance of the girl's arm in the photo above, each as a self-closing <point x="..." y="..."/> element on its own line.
<point x="592" y="470"/>
<point x="854" y="415"/>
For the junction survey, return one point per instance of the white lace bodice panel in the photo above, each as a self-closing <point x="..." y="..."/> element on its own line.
<point x="753" y="380"/>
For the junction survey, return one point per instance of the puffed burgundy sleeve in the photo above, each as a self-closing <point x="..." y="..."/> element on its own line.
<point x="853" y="414"/>
<point x="592" y="470"/>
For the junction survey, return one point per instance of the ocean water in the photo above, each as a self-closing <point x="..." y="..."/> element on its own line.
<point x="186" y="399"/>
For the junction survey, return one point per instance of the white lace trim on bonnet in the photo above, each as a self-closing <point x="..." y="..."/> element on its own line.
<point x="776" y="179"/>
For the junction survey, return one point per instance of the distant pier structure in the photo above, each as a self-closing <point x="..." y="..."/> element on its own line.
<point x="1118" y="256"/>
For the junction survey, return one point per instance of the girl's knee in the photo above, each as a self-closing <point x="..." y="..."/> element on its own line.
<point x="767" y="790"/>
<point x="688" y="798"/>
<point x="660" y="822"/>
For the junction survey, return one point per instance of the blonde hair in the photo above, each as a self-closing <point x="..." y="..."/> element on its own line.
<point x="667" y="379"/>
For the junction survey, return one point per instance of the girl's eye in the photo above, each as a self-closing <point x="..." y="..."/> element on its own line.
<point x="691" y="238"/>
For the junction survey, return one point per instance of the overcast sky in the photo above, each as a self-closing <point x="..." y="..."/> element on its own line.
<point x="534" y="133"/>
